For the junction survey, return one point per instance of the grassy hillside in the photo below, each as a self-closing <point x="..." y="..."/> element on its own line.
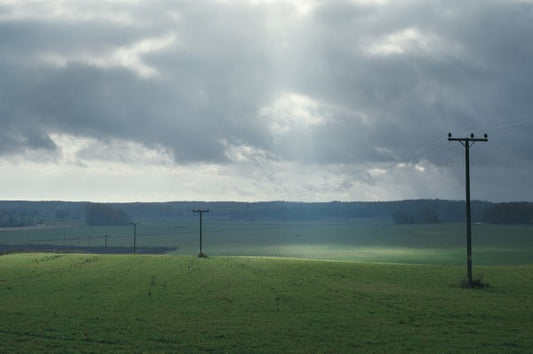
<point x="102" y="303"/>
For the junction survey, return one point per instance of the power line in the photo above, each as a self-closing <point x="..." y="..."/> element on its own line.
<point x="500" y="127"/>
<point x="429" y="151"/>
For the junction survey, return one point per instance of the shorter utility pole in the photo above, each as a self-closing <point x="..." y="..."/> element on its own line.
<point x="134" y="236"/>
<point x="200" y="212"/>
<point x="467" y="143"/>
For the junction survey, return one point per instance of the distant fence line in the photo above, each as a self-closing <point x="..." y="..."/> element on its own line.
<point x="85" y="240"/>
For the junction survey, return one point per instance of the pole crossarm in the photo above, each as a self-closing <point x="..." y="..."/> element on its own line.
<point x="472" y="139"/>
<point x="200" y="210"/>
<point x="467" y="143"/>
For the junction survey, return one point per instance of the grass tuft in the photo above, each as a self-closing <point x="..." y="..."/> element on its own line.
<point x="476" y="283"/>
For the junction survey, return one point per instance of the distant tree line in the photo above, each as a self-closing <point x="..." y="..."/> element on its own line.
<point x="435" y="211"/>
<point x="16" y="218"/>
<point x="105" y="214"/>
<point x="426" y="215"/>
<point x="510" y="213"/>
<point x="23" y="213"/>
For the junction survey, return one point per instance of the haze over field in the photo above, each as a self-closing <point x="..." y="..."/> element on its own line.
<point x="306" y="100"/>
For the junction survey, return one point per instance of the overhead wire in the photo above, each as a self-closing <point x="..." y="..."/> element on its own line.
<point x="499" y="127"/>
<point x="492" y="129"/>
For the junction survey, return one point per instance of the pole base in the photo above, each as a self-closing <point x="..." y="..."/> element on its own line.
<point x="202" y="255"/>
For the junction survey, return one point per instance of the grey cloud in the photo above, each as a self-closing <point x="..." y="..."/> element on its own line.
<point x="230" y="61"/>
<point x="420" y="95"/>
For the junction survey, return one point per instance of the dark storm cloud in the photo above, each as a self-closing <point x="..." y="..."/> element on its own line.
<point x="392" y="79"/>
<point x="210" y="87"/>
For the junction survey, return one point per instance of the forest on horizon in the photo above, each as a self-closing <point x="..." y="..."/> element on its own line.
<point x="422" y="211"/>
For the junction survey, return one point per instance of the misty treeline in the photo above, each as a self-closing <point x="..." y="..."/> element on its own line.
<point x="510" y="213"/>
<point x="23" y="213"/>
<point x="17" y="217"/>
<point x="105" y="214"/>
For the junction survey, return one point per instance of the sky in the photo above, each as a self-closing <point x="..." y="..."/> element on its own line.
<point x="256" y="100"/>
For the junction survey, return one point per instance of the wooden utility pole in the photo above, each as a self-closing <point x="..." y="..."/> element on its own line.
<point x="467" y="143"/>
<point x="200" y="212"/>
<point x="134" y="236"/>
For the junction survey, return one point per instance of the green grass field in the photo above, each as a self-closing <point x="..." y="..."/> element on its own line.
<point x="366" y="240"/>
<point x="141" y="303"/>
<point x="325" y="286"/>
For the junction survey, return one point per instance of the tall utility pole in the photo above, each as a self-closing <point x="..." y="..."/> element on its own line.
<point x="200" y="212"/>
<point x="134" y="236"/>
<point x="467" y="143"/>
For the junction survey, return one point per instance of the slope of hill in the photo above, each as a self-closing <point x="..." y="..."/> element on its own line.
<point x="97" y="303"/>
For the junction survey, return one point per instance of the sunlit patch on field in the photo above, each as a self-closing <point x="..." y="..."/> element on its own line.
<point x="372" y="254"/>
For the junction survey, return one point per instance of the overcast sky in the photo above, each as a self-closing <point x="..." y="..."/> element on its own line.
<point x="305" y="100"/>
